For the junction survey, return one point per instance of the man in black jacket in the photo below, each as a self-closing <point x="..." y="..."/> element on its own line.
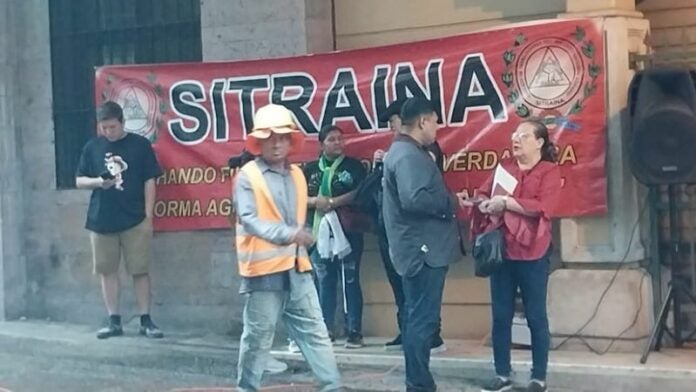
<point x="421" y="226"/>
<point x="393" y="116"/>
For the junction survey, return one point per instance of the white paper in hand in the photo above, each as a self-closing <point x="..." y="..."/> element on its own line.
<point x="504" y="183"/>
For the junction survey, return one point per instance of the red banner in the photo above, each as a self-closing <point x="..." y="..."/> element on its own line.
<point x="484" y="84"/>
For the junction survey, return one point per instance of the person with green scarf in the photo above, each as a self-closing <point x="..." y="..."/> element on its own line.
<point x="332" y="181"/>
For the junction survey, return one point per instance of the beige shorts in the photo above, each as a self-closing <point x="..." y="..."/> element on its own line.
<point x="133" y="245"/>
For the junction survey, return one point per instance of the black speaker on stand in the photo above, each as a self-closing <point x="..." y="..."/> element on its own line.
<point x="662" y="150"/>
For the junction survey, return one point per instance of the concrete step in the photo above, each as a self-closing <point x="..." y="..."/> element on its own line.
<point x="668" y="370"/>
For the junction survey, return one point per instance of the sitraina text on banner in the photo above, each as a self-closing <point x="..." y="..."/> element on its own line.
<point x="482" y="84"/>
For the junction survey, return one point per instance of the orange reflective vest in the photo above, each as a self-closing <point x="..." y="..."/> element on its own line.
<point x="258" y="257"/>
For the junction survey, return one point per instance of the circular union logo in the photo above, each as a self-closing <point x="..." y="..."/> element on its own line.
<point x="549" y="73"/>
<point x="140" y="107"/>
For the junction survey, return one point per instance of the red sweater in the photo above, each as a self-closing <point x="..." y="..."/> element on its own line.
<point x="538" y="190"/>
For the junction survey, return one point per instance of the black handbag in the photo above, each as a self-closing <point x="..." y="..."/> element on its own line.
<point x="488" y="252"/>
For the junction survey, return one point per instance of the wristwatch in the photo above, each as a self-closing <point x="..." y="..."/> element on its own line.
<point x="331" y="202"/>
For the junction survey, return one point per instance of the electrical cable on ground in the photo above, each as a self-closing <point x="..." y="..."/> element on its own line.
<point x="577" y="335"/>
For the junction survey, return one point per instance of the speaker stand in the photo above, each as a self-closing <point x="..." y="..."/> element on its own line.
<point x="676" y="293"/>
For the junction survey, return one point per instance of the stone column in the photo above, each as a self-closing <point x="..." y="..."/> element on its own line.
<point x="256" y="29"/>
<point x="602" y="8"/>
<point x="12" y="264"/>
<point x="606" y="239"/>
<point x="595" y="248"/>
<point x="248" y="29"/>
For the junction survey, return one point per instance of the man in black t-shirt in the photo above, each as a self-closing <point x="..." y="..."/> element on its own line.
<point x="120" y="168"/>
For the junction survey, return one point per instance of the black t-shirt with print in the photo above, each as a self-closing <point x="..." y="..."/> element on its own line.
<point x="114" y="210"/>
<point x="348" y="175"/>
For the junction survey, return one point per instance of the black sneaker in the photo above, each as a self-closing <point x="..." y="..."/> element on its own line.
<point x="393" y="345"/>
<point x="109" y="331"/>
<point x="437" y="346"/>
<point x="497" y="384"/>
<point x="355" y="340"/>
<point x="151" y="331"/>
<point x="536" y="386"/>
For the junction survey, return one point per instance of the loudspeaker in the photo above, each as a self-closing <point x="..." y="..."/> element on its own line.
<point x="662" y="133"/>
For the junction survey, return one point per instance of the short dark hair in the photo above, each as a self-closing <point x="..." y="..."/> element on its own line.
<point x="394" y="108"/>
<point x="324" y="132"/>
<point x="414" y="108"/>
<point x="110" y="110"/>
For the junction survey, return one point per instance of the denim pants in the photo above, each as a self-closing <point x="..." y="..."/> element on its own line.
<point x="423" y="300"/>
<point x="393" y="277"/>
<point x="395" y="282"/>
<point x="346" y="273"/>
<point x="532" y="278"/>
<point x="299" y="308"/>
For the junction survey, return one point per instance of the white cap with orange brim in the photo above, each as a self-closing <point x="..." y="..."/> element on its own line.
<point x="270" y="119"/>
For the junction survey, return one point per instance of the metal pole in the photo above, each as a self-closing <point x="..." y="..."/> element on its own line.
<point x="655" y="262"/>
<point x="674" y="238"/>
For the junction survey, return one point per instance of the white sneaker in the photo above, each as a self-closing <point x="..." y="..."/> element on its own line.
<point x="293" y="347"/>
<point x="438" y="349"/>
<point x="274" y="366"/>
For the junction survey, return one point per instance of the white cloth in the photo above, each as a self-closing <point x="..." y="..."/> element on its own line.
<point x="331" y="241"/>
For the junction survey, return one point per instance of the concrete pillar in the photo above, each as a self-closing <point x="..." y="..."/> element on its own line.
<point x="242" y="30"/>
<point x="249" y="29"/>
<point x="12" y="264"/>
<point x="601" y="7"/>
<point x="319" y="26"/>
<point x="605" y="241"/>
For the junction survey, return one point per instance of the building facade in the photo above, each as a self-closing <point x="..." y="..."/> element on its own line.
<point x="45" y="260"/>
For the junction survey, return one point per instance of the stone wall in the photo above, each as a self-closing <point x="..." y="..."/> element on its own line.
<point x="672" y="26"/>
<point x="12" y="261"/>
<point x="194" y="274"/>
<point x="45" y="260"/>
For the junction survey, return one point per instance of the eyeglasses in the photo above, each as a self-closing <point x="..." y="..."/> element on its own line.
<point x="520" y="136"/>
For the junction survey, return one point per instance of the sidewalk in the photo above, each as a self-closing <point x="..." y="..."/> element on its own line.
<point x="37" y="356"/>
<point x="667" y="370"/>
<point x="367" y="369"/>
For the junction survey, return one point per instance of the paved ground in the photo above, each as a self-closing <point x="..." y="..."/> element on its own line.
<point x="46" y="357"/>
<point x="21" y="373"/>
<point x="40" y="356"/>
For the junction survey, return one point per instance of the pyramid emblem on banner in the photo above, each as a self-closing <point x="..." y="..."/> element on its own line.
<point x="475" y="89"/>
<point x="132" y="107"/>
<point x="550" y="72"/>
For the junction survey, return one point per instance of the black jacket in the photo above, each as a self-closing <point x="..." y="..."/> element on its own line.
<point x="419" y="212"/>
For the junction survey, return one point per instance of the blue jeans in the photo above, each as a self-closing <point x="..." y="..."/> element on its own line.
<point x="423" y="301"/>
<point x="346" y="271"/>
<point x="393" y="277"/>
<point x="532" y="279"/>
<point x="396" y="283"/>
<point x="301" y="314"/>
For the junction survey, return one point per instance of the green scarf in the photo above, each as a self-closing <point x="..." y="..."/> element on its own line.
<point x="327" y="173"/>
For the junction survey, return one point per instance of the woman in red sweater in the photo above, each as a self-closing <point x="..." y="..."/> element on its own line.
<point x="524" y="217"/>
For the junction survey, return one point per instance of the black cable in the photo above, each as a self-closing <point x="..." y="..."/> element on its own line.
<point x="633" y="323"/>
<point x="576" y="335"/>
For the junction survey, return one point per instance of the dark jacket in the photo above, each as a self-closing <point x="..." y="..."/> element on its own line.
<point x="419" y="212"/>
<point x="369" y="195"/>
